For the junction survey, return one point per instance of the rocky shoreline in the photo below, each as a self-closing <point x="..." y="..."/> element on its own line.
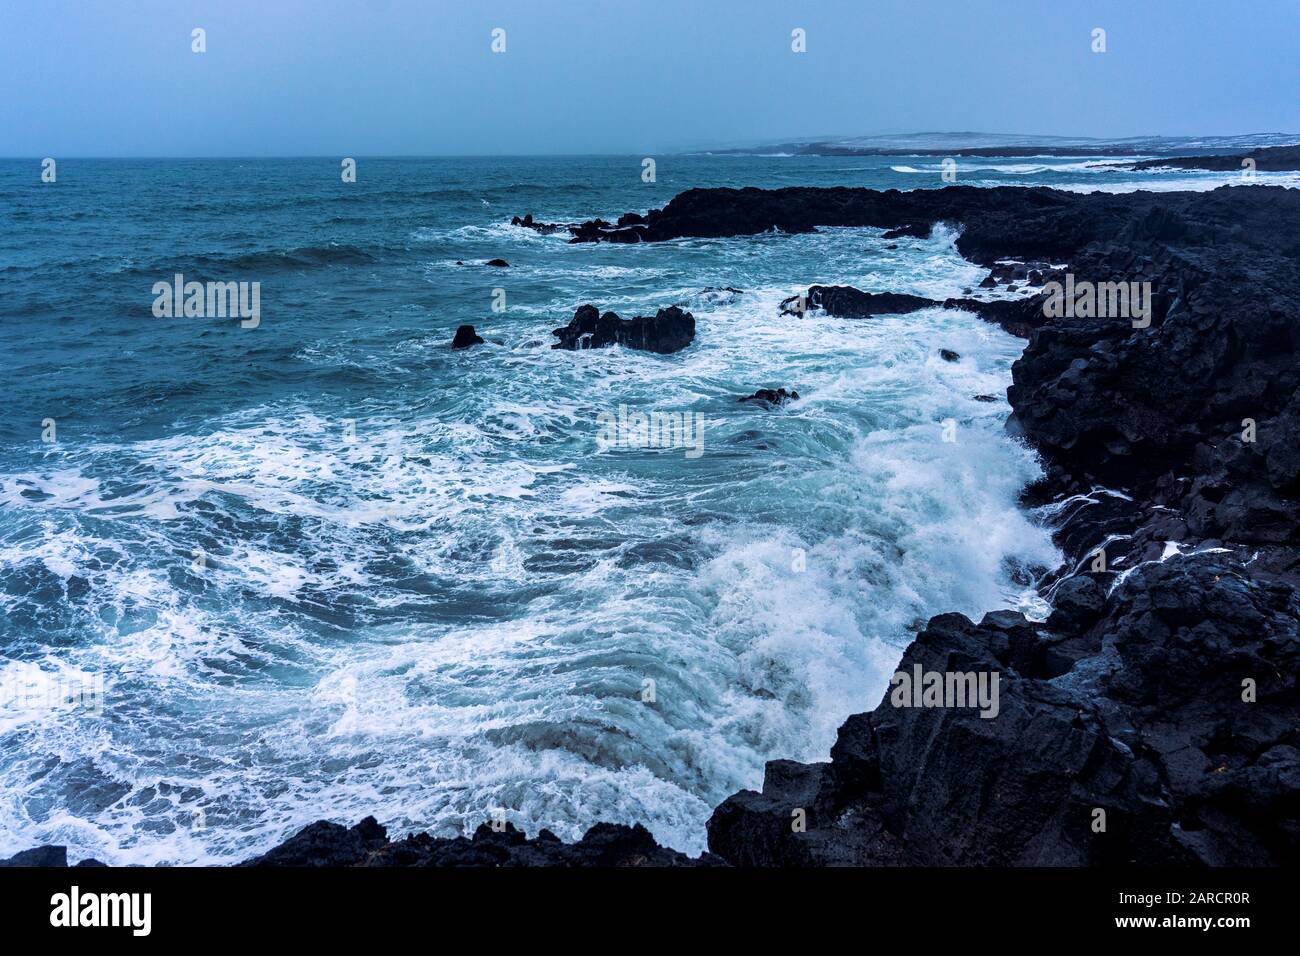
<point x="1265" y="159"/>
<point x="1159" y="698"/>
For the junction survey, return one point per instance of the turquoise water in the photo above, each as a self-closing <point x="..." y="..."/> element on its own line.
<point x="327" y="567"/>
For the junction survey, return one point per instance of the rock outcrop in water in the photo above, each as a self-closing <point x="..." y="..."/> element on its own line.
<point x="849" y="302"/>
<point x="669" y="330"/>
<point x="465" y="337"/>
<point x="1017" y="316"/>
<point x="772" y="397"/>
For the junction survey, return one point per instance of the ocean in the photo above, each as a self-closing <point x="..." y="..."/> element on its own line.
<point x="326" y="566"/>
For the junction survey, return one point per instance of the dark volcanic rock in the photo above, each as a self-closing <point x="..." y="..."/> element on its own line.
<point x="948" y="355"/>
<point x="772" y="397"/>
<point x="499" y="263"/>
<point x="367" y="844"/>
<point x="1267" y="159"/>
<point x="47" y="856"/>
<point x="465" y="337"/>
<point x="326" y="844"/>
<point x="915" y="230"/>
<point x="1077" y="602"/>
<point x="1140" y="715"/>
<point x="669" y="330"/>
<point x="1033" y="225"/>
<point x="848" y="302"/>
<point x="1168" y="408"/>
<point x="546" y="228"/>
<point x="1019" y="317"/>
<point x="55" y="856"/>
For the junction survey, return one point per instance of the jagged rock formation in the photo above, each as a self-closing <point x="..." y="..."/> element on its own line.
<point x="367" y="844"/>
<point x="465" y="337"/>
<point x="1018" y="317"/>
<point x="668" y="330"/>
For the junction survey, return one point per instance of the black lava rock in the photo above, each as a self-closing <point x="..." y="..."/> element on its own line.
<point x="1141" y="716"/>
<point x="915" y="230"/>
<point x="1018" y="317"/>
<point x="1078" y="602"/>
<point x="465" y="337"/>
<point x="772" y="397"/>
<point x="367" y="844"/>
<point x="51" y="856"/>
<point x="326" y="844"/>
<point x="669" y="330"/>
<point x="848" y="302"/>
<point x="546" y="228"/>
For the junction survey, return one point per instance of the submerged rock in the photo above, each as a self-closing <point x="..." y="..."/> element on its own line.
<point x="772" y="397"/>
<point x="499" y="263"/>
<point x="948" y="355"/>
<point x="669" y="330"/>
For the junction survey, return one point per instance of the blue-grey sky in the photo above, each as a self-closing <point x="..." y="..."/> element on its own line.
<point x="369" y="77"/>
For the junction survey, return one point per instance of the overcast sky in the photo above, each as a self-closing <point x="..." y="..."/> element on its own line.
<point x="371" y="77"/>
